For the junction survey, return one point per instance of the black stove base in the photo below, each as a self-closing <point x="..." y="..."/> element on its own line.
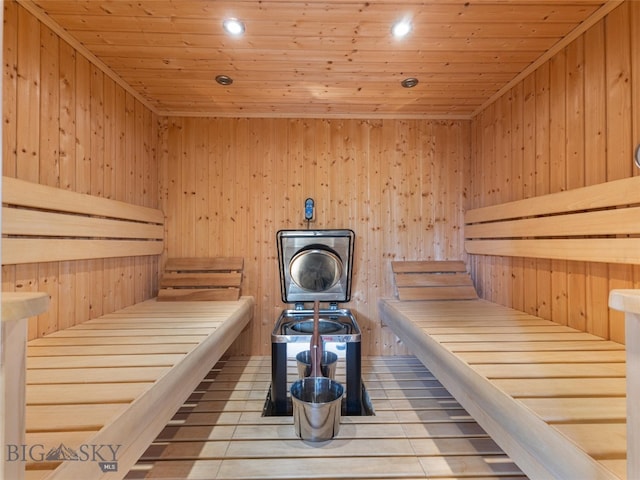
<point x="353" y="388"/>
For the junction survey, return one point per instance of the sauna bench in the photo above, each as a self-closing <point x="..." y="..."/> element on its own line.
<point x="551" y="396"/>
<point x="628" y="301"/>
<point x="118" y="379"/>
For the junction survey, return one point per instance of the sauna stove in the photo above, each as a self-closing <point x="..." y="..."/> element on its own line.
<point x="315" y="265"/>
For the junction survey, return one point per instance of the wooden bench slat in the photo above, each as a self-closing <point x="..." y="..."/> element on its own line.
<point x="198" y="295"/>
<point x="158" y="360"/>
<point x="601" y="440"/>
<point x="614" y="193"/>
<point x="34" y="195"/>
<point x="37" y="250"/>
<point x="438" y="293"/>
<point x="432" y="280"/>
<point x="194" y="279"/>
<point x="111" y="374"/>
<point x="551" y="370"/>
<point x="602" y="222"/>
<point x="426" y="266"/>
<point x="39" y="223"/>
<point x="65" y="394"/>
<point x="587" y="353"/>
<point x="201" y="279"/>
<point x="60" y="418"/>
<point x="195" y="264"/>
<point x="608" y="250"/>
<point x="573" y="410"/>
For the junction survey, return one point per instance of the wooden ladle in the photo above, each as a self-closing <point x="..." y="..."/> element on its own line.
<point x="316" y="343"/>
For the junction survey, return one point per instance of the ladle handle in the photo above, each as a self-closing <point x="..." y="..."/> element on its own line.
<point x="316" y="343"/>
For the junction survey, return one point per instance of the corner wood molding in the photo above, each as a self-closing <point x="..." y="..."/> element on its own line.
<point x="598" y="15"/>
<point x="43" y="17"/>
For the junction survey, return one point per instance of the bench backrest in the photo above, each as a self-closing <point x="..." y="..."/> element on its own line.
<point x="599" y="223"/>
<point x="46" y="224"/>
<point x="192" y="278"/>
<point x="433" y="280"/>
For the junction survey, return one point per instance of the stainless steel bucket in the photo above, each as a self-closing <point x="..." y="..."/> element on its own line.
<point x="317" y="405"/>
<point x="328" y="364"/>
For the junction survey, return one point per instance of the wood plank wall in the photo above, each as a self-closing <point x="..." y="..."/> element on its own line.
<point x="573" y="122"/>
<point x="228" y="185"/>
<point x="68" y="125"/>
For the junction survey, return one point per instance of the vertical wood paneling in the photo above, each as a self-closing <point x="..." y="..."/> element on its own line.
<point x="57" y="110"/>
<point x="49" y="170"/>
<point x="558" y="174"/>
<point x="375" y="177"/>
<point x="575" y="158"/>
<point x="528" y="190"/>
<point x="586" y="135"/>
<point x="595" y="169"/>
<point x="635" y="92"/>
<point x="619" y="142"/>
<point x="516" y="156"/>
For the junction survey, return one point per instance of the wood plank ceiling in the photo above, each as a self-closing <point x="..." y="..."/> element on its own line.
<point x="330" y="58"/>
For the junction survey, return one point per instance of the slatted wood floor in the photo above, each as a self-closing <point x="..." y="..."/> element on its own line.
<point x="418" y="431"/>
<point x="118" y="379"/>
<point x="573" y="381"/>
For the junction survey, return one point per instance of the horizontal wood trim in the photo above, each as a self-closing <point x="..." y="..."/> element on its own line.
<point x="231" y="279"/>
<point x="426" y="266"/>
<point x="34" y="195"/>
<point x="35" y="250"/>
<point x="432" y="279"/>
<point x="609" y="194"/>
<point x="41" y="223"/>
<point x="195" y="264"/>
<point x="437" y="293"/>
<point x="188" y="294"/>
<point x="608" y="250"/>
<point x="603" y="222"/>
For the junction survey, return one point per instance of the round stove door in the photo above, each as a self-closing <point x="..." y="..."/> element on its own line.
<point x="316" y="268"/>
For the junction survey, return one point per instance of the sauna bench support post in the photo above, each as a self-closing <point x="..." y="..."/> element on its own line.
<point x="16" y="309"/>
<point x="628" y="301"/>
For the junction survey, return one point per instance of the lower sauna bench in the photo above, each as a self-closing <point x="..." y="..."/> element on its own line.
<point x="117" y="380"/>
<point x="552" y="397"/>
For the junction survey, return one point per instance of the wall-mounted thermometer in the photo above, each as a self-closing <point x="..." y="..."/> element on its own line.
<point x="308" y="209"/>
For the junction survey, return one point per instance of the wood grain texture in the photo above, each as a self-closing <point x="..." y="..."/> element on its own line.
<point x="463" y="54"/>
<point x="549" y="426"/>
<point x="51" y="102"/>
<point x="419" y="431"/>
<point x="85" y="396"/>
<point x="589" y="120"/>
<point x="201" y="278"/>
<point x="394" y="182"/>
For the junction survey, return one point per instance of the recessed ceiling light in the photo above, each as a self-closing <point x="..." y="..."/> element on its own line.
<point x="224" y="80"/>
<point x="409" y="82"/>
<point x="233" y="26"/>
<point x="401" y="28"/>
